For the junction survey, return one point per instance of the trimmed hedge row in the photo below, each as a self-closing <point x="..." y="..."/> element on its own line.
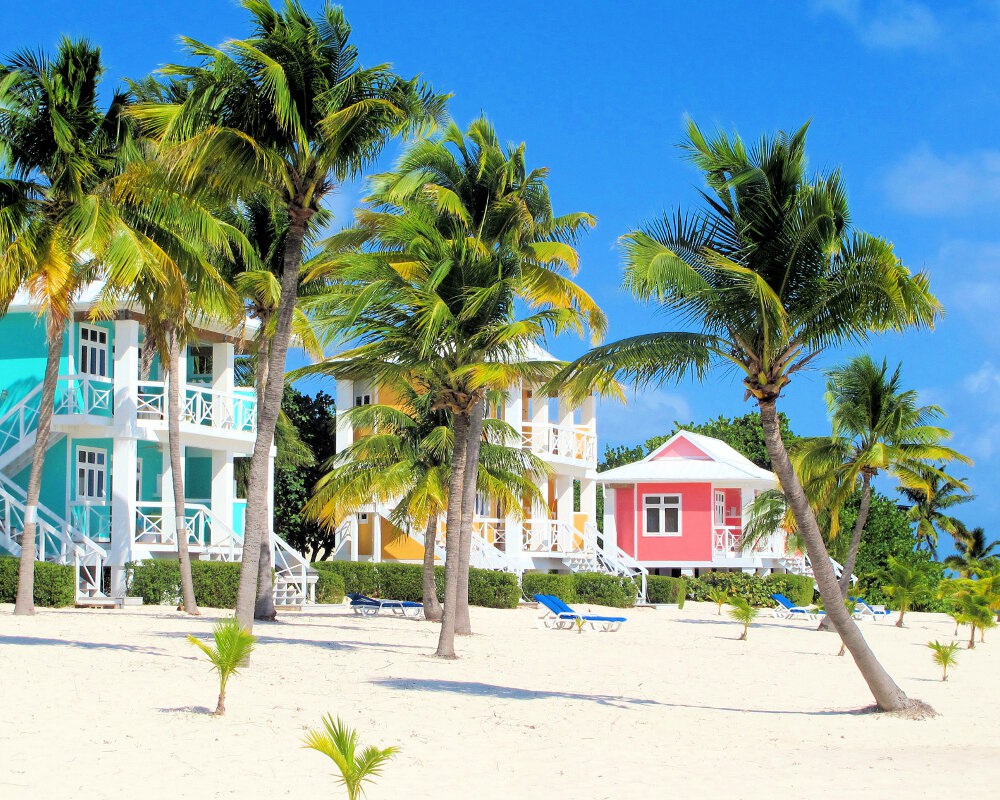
<point x="581" y="587"/>
<point x="329" y="587"/>
<point x="55" y="584"/>
<point x="405" y="582"/>
<point x="756" y="590"/>
<point x="562" y="586"/>
<point x="662" y="589"/>
<point x="158" y="581"/>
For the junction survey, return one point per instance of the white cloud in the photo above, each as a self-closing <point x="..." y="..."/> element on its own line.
<point x="648" y="413"/>
<point x="983" y="380"/>
<point x="966" y="278"/>
<point x="887" y="24"/>
<point x="929" y="184"/>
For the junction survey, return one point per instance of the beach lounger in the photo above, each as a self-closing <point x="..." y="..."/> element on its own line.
<point x="370" y="606"/>
<point x="558" y="615"/>
<point x="863" y="610"/>
<point x="788" y="610"/>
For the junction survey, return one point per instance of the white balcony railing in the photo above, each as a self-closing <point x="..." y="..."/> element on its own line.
<point x="202" y="406"/>
<point x="571" y="442"/>
<point x="726" y="541"/>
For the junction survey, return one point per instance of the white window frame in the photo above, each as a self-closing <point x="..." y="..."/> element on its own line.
<point x="663" y="505"/>
<point x="362" y="400"/>
<point x="92" y="348"/>
<point x="719" y="512"/>
<point x="99" y="467"/>
<point x="363" y="518"/>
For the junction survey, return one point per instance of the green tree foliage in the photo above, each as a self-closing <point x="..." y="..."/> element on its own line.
<point x="944" y="656"/>
<point x="340" y="743"/>
<point x="233" y="645"/>
<point x="744" y="613"/>
<point x="906" y="585"/>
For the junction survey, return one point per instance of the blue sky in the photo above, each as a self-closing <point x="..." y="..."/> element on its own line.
<point x="903" y="96"/>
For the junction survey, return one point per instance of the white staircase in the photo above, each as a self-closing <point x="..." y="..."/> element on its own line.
<point x="800" y="565"/>
<point x="605" y="556"/>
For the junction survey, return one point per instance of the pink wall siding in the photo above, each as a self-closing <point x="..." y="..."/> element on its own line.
<point x="695" y="541"/>
<point x="681" y="448"/>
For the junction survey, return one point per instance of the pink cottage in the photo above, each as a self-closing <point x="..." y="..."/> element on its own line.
<point x="681" y="509"/>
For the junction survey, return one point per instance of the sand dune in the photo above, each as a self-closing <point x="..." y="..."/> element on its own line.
<point x="112" y="704"/>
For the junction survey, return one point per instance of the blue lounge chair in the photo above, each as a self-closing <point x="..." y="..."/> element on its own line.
<point x="370" y="606"/>
<point x="862" y="610"/>
<point x="788" y="610"/>
<point x="560" y="616"/>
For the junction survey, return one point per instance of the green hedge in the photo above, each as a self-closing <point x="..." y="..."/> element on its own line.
<point x="756" y="590"/>
<point x="604" y="590"/>
<point x="662" y="589"/>
<point x="158" y="581"/>
<point x="562" y="586"/>
<point x="329" y="587"/>
<point x="487" y="588"/>
<point x="55" y="584"/>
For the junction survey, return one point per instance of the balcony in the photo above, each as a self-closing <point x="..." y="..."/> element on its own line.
<point x="726" y="541"/>
<point x="573" y="444"/>
<point x="233" y="412"/>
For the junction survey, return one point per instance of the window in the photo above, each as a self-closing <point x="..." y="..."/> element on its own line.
<point x="91" y="474"/>
<point x="662" y="515"/>
<point x="200" y="365"/>
<point x="720" y="508"/>
<point x="363" y="400"/>
<point x="93" y="351"/>
<point x="363" y="519"/>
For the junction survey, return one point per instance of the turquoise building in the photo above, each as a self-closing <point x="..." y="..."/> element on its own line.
<point x="106" y="496"/>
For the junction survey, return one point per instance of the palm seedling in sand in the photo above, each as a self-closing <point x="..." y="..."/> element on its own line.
<point x="906" y="584"/>
<point x="233" y="645"/>
<point x="743" y="613"/>
<point x="339" y="742"/>
<point x="719" y="596"/>
<point x="944" y="655"/>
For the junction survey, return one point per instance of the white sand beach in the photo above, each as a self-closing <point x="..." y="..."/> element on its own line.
<point x="113" y="704"/>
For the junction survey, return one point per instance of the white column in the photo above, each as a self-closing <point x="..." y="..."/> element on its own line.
<point x="270" y="490"/>
<point x="564" y="507"/>
<point x="376" y="537"/>
<point x="539" y="408"/>
<point x="540" y="531"/>
<point x="513" y="411"/>
<point x="345" y="400"/>
<point x="588" y="499"/>
<point x="588" y="412"/>
<point x="223" y="491"/>
<point x="124" y="453"/>
<point x="566" y="410"/>
<point x="355" y="533"/>
<point x="167" y="524"/>
<point x="610" y="529"/>
<point x="223" y="380"/>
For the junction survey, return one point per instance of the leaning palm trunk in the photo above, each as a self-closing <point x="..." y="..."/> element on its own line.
<point x="24" y="603"/>
<point x="463" y="623"/>
<point x="453" y="539"/>
<point x="432" y="608"/>
<point x="264" y="606"/>
<point x="888" y="696"/>
<point x="852" y="553"/>
<point x="258" y="524"/>
<point x="177" y="468"/>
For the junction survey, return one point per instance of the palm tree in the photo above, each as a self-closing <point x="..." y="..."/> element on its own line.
<point x="877" y="427"/>
<point x="339" y="742"/>
<point x="403" y="458"/>
<point x="972" y="551"/>
<point x="906" y="585"/>
<point x="944" y="656"/>
<point x="719" y="596"/>
<point x="931" y="505"/>
<point x="233" y="645"/>
<point x="458" y="234"/>
<point x="772" y="274"/>
<point x="57" y="220"/>
<point x="287" y="110"/>
<point x="744" y="613"/>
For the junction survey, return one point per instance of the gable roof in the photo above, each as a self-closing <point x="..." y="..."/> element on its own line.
<point x="720" y="463"/>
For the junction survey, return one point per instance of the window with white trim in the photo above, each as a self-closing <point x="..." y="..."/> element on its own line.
<point x="720" y="508"/>
<point x="362" y="400"/>
<point x="661" y="515"/>
<point x="91" y="474"/>
<point x="93" y="351"/>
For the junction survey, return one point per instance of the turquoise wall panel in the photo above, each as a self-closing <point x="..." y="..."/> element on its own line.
<point x="22" y="358"/>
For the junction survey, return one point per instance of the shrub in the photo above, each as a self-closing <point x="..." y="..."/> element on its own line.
<point x="55" y="584"/>
<point x="329" y="587"/>
<point x="662" y="589"/>
<point x="401" y="581"/>
<point x="756" y="590"/>
<point x="359" y="577"/>
<point x="604" y="590"/>
<point x="158" y="581"/>
<point x="492" y="589"/>
<point x="562" y="586"/>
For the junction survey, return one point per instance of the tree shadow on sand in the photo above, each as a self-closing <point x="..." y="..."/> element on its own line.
<point x="331" y="644"/>
<point x="478" y="689"/>
<point x="40" y="641"/>
<point x="187" y="710"/>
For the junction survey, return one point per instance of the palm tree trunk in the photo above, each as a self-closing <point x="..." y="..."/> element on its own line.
<point x="146" y="355"/>
<point x="888" y="696"/>
<point x="24" y="603"/>
<point x="258" y="523"/>
<point x="177" y="467"/>
<point x="220" y="707"/>
<point x="972" y="638"/>
<point x="899" y="622"/>
<point x="432" y="608"/>
<point x="264" y="605"/>
<point x="852" y="553"/>
<point x="453" y="540"/>
<point x="463" y="622"/>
